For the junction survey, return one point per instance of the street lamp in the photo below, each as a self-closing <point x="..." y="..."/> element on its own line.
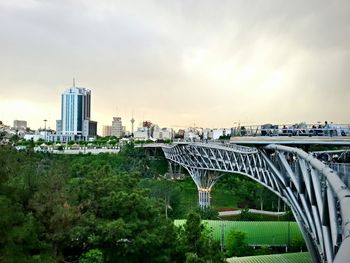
<point x="222" y="239"/>
<point x="45" y="130"/>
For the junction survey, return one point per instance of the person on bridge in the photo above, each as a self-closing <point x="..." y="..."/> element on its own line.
<point x="326" y="128"/>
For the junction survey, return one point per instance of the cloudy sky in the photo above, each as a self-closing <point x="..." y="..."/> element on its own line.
<point x="177" y="63"/>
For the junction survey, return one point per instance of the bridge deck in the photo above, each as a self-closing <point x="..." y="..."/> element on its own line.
<point x="293" y="140"/>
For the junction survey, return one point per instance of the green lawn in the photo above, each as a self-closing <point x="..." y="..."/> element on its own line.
<point x="303" y="257"/>
<point x="257" y="233"/>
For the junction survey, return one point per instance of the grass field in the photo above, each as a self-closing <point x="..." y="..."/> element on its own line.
<point x="303" y="257"/>
<point x="257" y="233"/>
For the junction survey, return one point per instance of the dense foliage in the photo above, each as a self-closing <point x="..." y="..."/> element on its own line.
<point x="236" y="244"/>
<point x="84" y="208"/>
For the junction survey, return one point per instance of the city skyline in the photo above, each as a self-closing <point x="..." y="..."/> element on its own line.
<point x="177" y="63"/>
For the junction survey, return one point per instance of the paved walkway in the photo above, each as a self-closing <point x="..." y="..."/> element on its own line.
<point x="86" y="151"/>
<point x="253" y="211"/>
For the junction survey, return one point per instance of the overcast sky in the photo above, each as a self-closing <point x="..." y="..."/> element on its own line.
<point x="209" y="63"/>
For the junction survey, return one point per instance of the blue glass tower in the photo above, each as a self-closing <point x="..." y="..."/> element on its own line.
<point x="75" y="121"/>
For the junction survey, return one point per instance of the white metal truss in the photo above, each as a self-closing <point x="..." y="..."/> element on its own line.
<point x="318" y="198"/>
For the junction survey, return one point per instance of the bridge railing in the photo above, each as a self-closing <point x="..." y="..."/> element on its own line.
<point x="343" y="171"/>
<point x="225" y="145"/>
<point x="302" y="129"/>
<point x="213" y="144"/>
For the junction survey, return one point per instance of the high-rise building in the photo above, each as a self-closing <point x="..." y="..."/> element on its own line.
<point x="75" y="123"/>
<point x="117" y="127"/>
<point x="106" y="130"/>
<point x="19" y="125"/>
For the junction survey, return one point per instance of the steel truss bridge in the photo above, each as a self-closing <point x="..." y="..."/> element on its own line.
<point x="316" y="194"/>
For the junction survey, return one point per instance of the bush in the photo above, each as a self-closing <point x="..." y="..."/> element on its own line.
<point x="236" y="244"/>
<point x="92" y="256"/>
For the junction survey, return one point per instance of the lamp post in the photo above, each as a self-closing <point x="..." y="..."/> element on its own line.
<point x="288" y="234"/>
<point x="45" y="130"/>
<point x="222" y="239"/>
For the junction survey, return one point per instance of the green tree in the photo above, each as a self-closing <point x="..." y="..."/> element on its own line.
<point x="14" y="138"/>
<point x="118" y="218"/>
<point x="92" y="256"/>
<point x="236" y="244"/>
<point x="21" y="238"/>
<point x="167" y="193"/>
<point x="193" y="258"/>
<point x="196" y="242"/>
<point x="90" y="207"/>
<point x="245" y="215"/>
<point x="208" y="213"/>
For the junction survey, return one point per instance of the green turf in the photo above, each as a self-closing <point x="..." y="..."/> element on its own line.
<point x="257" y="233"/>
<point x="303" y="257"/>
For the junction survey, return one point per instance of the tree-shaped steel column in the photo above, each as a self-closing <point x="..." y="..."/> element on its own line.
<point x="204" y="181"/>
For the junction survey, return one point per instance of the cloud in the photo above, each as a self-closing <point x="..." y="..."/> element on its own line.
<point x="180" y="62"/>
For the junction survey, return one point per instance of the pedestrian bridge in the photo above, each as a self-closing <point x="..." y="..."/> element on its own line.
<point x="316" y="194"/>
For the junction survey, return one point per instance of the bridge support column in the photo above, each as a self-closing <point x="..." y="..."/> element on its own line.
<point x="204" y="180"/>
<point x="174" y="171"/>
<point x="204" y="197"/>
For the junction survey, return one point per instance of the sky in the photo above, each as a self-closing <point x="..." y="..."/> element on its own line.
<point x="177" y="63"/>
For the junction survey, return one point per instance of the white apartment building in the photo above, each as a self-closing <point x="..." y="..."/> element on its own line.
<point x="141" y="134"/>
<point x="163" y="134"/>
<point x="215" y="134"/>
<point x="192" y="134"/>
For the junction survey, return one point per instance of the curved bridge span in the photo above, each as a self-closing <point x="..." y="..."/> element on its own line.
<point x="318" y="198"/>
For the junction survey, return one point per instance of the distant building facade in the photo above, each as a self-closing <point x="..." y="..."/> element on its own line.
<point x="106" y="130"/>
<point x="162" y="134"/>
<point x="215" y="134"/>
<point x="59" y="126"/>
<point x="75" y="123"/>
<point x="117" y="127"/>
<point x="141" y="133"/>
<point x="192" y="134"/>
<point x="19" y="125"/>
<point x="149" y="126"/>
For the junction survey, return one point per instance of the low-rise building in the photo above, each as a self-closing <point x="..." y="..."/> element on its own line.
<point x="215" y="134"/>
<point x="163" y="134"/>
<point x="141" y="134"/>
<point x="192" y="134"/>
<point x="41" y="134"/>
